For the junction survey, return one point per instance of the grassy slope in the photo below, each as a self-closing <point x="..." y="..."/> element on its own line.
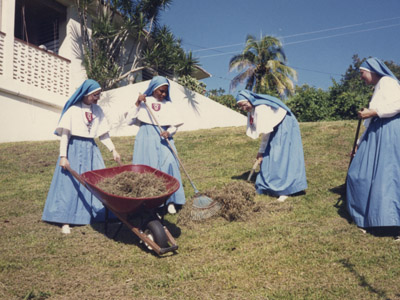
<point x="305" y="248"/>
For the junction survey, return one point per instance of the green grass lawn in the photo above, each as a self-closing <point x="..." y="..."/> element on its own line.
<point x="304" y="248"/>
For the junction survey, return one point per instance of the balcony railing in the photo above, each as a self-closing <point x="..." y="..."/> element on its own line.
<point x="39" y="68"/>
<point x="2" y="37"/>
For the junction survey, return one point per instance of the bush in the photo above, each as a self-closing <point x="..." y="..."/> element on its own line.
<point x="192" y="84"/>
<point x="310" y="104"/>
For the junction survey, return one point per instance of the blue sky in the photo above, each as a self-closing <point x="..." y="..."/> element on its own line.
<point x="319" y="36"/>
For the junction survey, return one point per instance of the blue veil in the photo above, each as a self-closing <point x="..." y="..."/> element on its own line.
<point x="259" y="99"/>
<point x="89" y="86"/>
<point x="375" y="65"/>
<point x="156" y="82"/>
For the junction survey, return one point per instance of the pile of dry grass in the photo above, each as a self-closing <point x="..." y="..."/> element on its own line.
<point x="236" y="199"/>
<point x="134" y="185"/>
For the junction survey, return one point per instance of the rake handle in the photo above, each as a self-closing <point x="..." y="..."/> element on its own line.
<point x="256" y="163"/>
<point x="355" y="141"/>
<point x="170" y="146"/>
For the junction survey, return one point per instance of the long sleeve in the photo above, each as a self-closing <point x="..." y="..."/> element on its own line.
<point x="386" y="98"/>
<point x="65" y="135"/>
<point x="131" y="116"/>
<point x="106" y="140"/>
<point x="172" y="130"/>
<point x="264" y="142"/>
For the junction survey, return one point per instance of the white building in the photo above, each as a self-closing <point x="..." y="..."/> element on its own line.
<point x="41" y="66"/>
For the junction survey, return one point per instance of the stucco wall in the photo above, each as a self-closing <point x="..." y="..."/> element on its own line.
<point x="198" y="111"/>
<point x="24" y="120"/>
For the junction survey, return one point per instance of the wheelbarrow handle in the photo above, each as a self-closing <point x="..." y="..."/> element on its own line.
<point x="168" y="249"/>
<point x="76" y="175"/>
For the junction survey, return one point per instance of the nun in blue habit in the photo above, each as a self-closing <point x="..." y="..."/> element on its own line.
<point x="282" y="169"/>
<point x="151" y="147"/>
<point x="68" y="202"/>
<point x="373" y="186"/>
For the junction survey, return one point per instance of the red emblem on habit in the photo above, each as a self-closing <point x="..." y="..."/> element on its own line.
<point x="251" y="120"/>
<point x="156" y="106"/>
<point x="89" y="116"/>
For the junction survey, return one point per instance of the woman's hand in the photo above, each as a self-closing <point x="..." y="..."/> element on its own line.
<point x="64" y="163"/>
<point x="259" y="157"/>
<point x="141" y="98"/>
<point x="165" y="134"/>
<point x="116" y="156"/>
<point x="367" y="113"/>
<point x="353" y="153"/>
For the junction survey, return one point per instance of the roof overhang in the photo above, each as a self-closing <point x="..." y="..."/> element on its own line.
<point x="200" y="73"/>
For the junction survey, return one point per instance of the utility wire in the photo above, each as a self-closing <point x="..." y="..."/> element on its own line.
<point x="298" y="34"/>
<point x="341" y="34"/>
<point x="302" y="41"/>
<point x="294" y="67"/>
<point x="313" y="39"/>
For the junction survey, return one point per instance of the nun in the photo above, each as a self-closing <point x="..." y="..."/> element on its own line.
<point x="151" y="147"/>
<point x="282" y="170"/>
<point x="82" y="120"/>
<point x="373" y="186"/>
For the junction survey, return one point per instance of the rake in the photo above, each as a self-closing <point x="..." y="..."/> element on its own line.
<point x="203" y="206"/>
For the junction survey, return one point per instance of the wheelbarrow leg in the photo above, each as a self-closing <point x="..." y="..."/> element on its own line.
<point x="156" y="248"/>
<point x="107" y="213"/>
<point x="106" y="221"/>
<point x="118" y="230"/>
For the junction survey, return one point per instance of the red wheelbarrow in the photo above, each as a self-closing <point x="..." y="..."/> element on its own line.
<point x="151" y="231"/>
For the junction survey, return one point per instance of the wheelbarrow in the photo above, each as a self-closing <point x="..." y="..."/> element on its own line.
<point x="151" y="231"/>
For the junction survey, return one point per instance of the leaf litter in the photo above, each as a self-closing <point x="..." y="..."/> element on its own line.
<point x="236" y="199"/>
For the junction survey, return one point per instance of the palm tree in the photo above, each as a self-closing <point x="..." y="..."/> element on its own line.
<point x="262" y="67"/>
<point x="165" y="53"/>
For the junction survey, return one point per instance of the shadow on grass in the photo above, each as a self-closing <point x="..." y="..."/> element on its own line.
<point x="362" y="280"/>
<point x="341" y="202"/>
<point x="389" y="231"/>
<point x="245" y="175"/>
<point x="119" y="232"/>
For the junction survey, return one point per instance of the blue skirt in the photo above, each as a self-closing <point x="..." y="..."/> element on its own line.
<point x="282" y="171"/>
<point x="69" y="202"/>
<point x="373" y="179"/>
<point x="152" y="150"/>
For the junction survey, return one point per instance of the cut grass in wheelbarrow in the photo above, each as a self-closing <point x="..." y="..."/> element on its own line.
<point x="134" y="185"/>
<point x="150" y="231"/>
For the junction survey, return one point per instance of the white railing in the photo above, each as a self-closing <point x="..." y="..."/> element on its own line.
<point x="2" y="37"/>
<point x="44" y="70"/>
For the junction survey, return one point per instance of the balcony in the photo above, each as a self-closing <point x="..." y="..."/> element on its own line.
<point x="36" y="67"/>
<point x="2" y="41"/>
<point x="34" y="73"/>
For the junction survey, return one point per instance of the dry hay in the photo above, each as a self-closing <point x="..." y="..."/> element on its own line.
<point x="134" y="185"/>
<point x="236" y="199"/>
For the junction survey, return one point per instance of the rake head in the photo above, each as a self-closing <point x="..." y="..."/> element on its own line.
<point x="204" y="208"/>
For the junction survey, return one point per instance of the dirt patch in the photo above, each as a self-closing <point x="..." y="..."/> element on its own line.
<point x="134" y="185"/>
<point x="236" y="199"/>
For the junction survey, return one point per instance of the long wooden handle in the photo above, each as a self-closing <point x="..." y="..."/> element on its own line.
<point x="355" y="141"/>
<point x="76" y="175"/>
<point x="170" y="146"/>
<point x="256" y="163"/>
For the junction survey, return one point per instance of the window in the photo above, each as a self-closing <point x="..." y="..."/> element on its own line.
<point x="38" y="22"/>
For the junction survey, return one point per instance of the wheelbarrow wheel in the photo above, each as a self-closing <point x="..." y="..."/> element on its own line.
<point x="155" y="231"/>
